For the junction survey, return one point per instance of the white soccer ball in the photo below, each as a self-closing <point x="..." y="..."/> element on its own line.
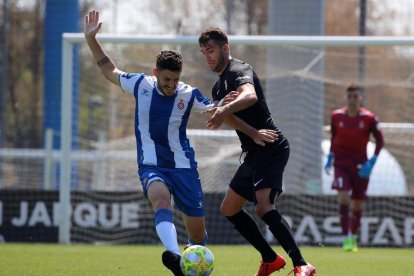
<point x="197" y="260"/>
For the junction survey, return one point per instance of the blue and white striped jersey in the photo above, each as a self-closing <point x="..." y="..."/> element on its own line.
<point x="161" y="121"/>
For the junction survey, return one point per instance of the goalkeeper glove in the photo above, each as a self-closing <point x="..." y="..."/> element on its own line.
<point x="328" y="164"/>
<point x="366" y="168"/>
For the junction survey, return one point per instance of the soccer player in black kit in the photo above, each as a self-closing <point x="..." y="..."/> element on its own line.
<point x="259" y="178"/>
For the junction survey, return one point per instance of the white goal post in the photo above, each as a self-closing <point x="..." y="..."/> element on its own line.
<point x="71" y="39"/>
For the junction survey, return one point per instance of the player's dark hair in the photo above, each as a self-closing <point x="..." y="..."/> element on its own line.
<point x="213" y="33"/>
<point x="352" y="87"/>
<point x="169" y="60"/>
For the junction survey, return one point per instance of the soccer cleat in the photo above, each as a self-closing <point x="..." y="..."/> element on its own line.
<point x="172" y="262"/>
<point x="348" y="244"/>
<point x="266" y="269"/>
<point x="304" y="270"/>
<point x="354" y="244"/>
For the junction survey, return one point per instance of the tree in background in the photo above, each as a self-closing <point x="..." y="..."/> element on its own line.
<point x="22" y="99"/>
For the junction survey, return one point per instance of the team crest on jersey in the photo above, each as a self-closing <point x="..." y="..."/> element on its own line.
<point x="341" y="124"/>
<point x="361" y="124"/>
<point x="181" y="104"/>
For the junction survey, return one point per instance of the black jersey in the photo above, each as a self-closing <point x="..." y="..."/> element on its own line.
<point x="258" y="115"/>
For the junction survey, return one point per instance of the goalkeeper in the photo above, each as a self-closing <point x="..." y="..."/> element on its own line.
<point x="351" y="127"/>
<point x="166" y="160"/>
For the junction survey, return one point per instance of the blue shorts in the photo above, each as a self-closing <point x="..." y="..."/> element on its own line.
<point x="184" y="185"/>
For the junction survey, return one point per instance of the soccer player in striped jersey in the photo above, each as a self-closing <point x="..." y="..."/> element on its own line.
<point x="238" y="91"/>
<point x="351" y="128"/>
<point x="166" y="160"/>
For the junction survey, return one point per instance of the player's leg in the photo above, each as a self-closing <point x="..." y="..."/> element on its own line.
<point x="232" y="203"/>
<point x="196" y="229"/>
<point x="344" y="201"/>
<point x="355" y="222"/>
<point x="159" y="196"/>
<point x="357" y="206"/>
<point x="358" y="197"/>
<point x="232" y="209"/>
<point x="158" y="193"/>
<point x="188" y="198"/>
<point x="265" y="209"/>
<point x="342" y="183"/>
<point x="281" y="231"/>
<point x="239" y="192"/>
<point x="267" y="183"/>
<point x="160" y="199"/>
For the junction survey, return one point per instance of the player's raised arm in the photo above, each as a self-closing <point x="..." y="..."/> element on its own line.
<point x="105" y="63"/>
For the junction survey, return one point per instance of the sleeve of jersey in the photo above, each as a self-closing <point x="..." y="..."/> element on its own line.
<point x="128" y="81"/>
<point x="242" y="74"/>
<point x="379" y="138"/>
<point x="201" y="102"/>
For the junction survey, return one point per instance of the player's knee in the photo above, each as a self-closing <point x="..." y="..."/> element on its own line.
<point x="262" y="208"/>
<point x="223" y="210"/>
<point x="161" y="203"/>
<point x="227" y="211"/>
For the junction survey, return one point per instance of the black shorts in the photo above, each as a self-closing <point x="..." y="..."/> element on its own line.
<point x="261" y="168"/>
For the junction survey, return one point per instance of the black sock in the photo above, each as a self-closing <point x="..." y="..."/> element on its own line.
<point x="247" y="227"/>
<point x="281" y="231"/>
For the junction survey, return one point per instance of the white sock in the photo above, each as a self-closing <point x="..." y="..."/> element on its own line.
<point x="168" y="235"/>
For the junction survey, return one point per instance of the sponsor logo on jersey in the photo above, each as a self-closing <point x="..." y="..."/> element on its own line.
<point x="341" y="124"/>
<point x="181" y="104"/>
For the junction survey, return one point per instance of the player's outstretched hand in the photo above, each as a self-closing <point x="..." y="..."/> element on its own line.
<point x="365" y="169"/>
<point x="217" y="118"/>
<point x="92" y="24"/>
<point x="328" y="164"/>
<point x="264" y="136"/>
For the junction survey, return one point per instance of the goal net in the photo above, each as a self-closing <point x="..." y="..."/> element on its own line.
<point x="304" y="79"/>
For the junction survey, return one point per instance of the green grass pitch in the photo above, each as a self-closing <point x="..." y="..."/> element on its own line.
<point x="50" y="259"/>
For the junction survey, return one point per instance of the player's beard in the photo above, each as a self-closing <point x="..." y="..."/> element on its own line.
<point x="221" y="63"/>
<point x="168" y="91"/>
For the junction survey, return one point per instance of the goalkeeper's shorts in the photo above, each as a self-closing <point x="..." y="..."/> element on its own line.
<point x="347" y="179"/>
